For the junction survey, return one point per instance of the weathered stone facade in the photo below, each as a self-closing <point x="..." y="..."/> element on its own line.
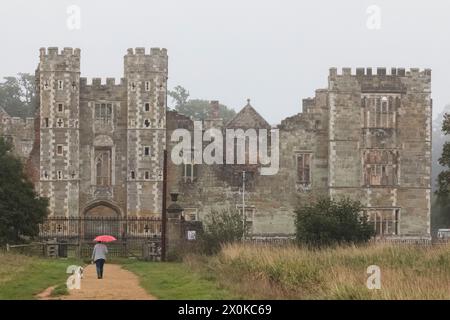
<point x="101" y="144"/>
<point x="19" y="132"/>
<point x="99" y="147"/>
<point x="366" y="136"/>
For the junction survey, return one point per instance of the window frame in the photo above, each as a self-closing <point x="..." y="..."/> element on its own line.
<point x="304" y="182"/>
<point x="57" y="150"/>
<point x="149" y="153"/>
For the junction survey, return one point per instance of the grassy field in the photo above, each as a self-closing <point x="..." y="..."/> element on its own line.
<point x="263" y="272"/>
<point x="176" y="281"/>
<point x="22" y="277"/>
<point x="260" y="272"/>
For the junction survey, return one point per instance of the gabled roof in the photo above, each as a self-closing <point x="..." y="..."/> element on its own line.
<point x="248" y="118"/>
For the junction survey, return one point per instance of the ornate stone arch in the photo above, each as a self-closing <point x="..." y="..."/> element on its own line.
<point x="103" y="203"/>
<point x="102" y="217"/>
<point x="103" y="141"/>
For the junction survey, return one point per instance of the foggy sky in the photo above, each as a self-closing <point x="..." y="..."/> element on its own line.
<point x="274" y="52"/>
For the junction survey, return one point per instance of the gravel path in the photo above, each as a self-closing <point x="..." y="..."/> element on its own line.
<point x="117" y="284"/>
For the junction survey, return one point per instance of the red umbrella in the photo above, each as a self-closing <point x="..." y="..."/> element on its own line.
<point x="105" y="238"/>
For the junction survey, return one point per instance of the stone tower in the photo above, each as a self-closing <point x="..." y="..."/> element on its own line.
<point x="58" y="78"/>
<point x="380" y="145"/>
<point x="146" y="79"/>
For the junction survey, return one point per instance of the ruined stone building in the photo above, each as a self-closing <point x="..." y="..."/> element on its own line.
<point x="98" y="147"/>
<point x="19" y="132"/>
<point x="367" y="136"/>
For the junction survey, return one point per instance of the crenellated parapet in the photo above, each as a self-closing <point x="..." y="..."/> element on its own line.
<point x="52" y="59"/>
<point x="381" y="71"/>
<point x="374" y="80"/>
<point x="99" y="83"/>
<point x="138" y="61"/>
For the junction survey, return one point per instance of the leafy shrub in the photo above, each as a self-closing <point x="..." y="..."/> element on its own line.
<point x="222" y="227"/>
<point x="327" y="222"/>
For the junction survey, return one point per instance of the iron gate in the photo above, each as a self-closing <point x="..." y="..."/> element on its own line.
<point x="136" y="236"/>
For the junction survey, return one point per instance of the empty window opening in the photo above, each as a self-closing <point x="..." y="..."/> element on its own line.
<point x="380" y="167"/>
<point x="103" y="112"/>
<point x="303" y="168"/>
<point x="189" y="172"/>
<point x="385" y="221"/>
<point x="103" y="168"/>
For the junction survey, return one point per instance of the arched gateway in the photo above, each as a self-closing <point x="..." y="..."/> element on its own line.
<point x="102" y="217"/>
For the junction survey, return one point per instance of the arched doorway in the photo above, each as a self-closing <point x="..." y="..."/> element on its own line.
<point x="101" y="218"/>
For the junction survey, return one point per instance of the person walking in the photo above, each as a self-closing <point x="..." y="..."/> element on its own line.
<point x="99" y="257"/>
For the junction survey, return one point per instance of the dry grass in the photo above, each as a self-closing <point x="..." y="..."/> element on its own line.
<point x="269" y="272"/>
<point x="11" y="264"/>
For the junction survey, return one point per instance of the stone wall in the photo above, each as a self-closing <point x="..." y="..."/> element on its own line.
<point x="20" y="132"/>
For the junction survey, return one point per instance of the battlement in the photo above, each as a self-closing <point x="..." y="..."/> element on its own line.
<point x="381" y="71"/>
<point x="101" y="83"/>
<point x="54" y="52"/>
<point x="140" y="51"/>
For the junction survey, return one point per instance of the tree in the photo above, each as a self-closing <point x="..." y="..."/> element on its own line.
<point x="179" y="96"/>
<point x="444" y="176"/>
<point x="222" y="227"/>
<point x="18" y="95"/>
<point x="21" y="209"/>
<point x="197" y="109"/>
<point x="327" y="222"/>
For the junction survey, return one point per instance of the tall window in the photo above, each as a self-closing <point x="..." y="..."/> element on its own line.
<point x="189" y="172"/>
<point x="380" y="167"/>
<point x="303" y="163"/>
<point x="103" y="112"/>
<point x="385" y="221"/>
<point x="103" y="167"/>
<point x="380" y="111"/>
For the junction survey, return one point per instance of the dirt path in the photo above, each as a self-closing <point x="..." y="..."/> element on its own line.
<point x="117" y="284"/>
